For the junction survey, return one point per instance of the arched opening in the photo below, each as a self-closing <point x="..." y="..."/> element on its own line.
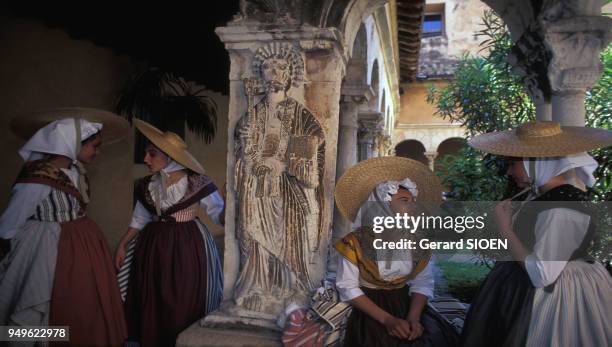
<point x="448" y="152"/>
<point x="411" y="149"/>
<point x="356" y="70"/>
<point x="375" y="85"/>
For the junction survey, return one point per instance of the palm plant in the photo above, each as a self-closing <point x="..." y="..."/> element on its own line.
<point x="168" y="102"/>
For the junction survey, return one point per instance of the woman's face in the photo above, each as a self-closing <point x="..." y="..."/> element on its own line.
<point x="517" y="171"/>
<point x="155" y="159"/>
<point x="403" y="202"/>
<point x="90" y="149"/>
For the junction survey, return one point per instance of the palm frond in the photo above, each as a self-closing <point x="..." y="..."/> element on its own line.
<point x="160" y="97"/>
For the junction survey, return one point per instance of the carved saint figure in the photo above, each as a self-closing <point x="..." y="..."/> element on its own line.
<point x="279" y="168"/>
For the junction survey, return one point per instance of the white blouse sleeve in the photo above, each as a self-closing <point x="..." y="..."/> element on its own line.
<point x="140" y="217"/>
<point x="423" y="282"/>
<point x="559" y="232"/>
<point x="25" y="197"/>
<point x="347" y="280"/>
<point x="213" y="204"/>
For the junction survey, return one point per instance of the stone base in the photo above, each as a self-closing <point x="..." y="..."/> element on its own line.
<point x="198" y="336"/>
<point x="229" y="316"/>
<point x="232" y="326"/>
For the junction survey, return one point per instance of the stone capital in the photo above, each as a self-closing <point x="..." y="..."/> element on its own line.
<point x="575" y="44"/>
<point x="357" y="93"/>
<point x="370" y="125"/>
<point x="317" y="45"/>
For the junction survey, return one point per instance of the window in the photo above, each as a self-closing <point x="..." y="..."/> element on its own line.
<point x="432" y="25"/>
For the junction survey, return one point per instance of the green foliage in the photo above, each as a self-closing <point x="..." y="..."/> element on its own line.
<point x="486" y="96"/>
<point x="463" y="278"/>
<point x="598" y="104"/>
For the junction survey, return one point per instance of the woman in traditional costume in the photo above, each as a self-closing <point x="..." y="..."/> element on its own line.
<point x="59" y="271"/>
<point x="175" y="277"/>
<point x="550" y="293"/>
<point x="389" y="296"/>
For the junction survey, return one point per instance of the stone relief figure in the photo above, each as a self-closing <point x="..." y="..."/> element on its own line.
<point x="280" y="156"/>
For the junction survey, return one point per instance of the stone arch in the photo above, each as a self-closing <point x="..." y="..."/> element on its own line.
<point x="375" y="85"/>
<point x="357" y="67"/>
<point x="412" y="149"/>
<point x="449" y="147"/>
<point x="347" y="15"/>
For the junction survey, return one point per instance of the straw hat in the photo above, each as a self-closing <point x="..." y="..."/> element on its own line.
<point x="542" y="139"/>
<point x="357" y="183"/>
<point x="114" y="127"/>
<point x="171" y="144"/>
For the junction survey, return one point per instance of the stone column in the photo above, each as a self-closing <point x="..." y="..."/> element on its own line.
<point x="370" y="126"/>
<point x="385" y="145"/>
<point x="575" y="33"/>
<point x="352" y="97"/>
<point x="556" y="50"/>
<point x="431" y="157"/>
<point x="317" y="64"/>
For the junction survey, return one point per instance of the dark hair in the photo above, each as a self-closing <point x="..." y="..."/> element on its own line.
<point x="92" y="137"/>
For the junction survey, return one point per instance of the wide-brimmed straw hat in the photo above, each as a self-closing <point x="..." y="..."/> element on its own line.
<point x="542" y="139"/>
<point x="358" y="182"/>
<point x="114" y="127"/>
<point x="171" y="144"/>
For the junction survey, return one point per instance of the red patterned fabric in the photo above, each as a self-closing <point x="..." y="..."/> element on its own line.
<point x="300" y="331"/>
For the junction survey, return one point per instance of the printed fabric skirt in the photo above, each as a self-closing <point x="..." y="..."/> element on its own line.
<point x="576" y="310"/>
<point x="175" y="279"/>
<point x="363" y="330"/>
<point x="62" y="274"/>
<point x="501" y="310"/>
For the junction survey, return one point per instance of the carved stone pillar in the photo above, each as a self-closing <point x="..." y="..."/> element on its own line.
<point x="283" y="125"/>
<point x="370" y="126"/>
<point x="575" y="33"/>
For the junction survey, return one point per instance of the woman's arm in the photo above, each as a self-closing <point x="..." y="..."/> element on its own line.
<point x="421" y="289"/>
<point x="215" y="207"/>
<point x="140" y="218"/>
<point x="25" y="197"/>
<point x="559" y="232"/>
<point x="347" y="283"/>
<point x="503" y="215"/>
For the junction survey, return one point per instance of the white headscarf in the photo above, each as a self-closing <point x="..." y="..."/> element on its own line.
<point x="62" y="137"/>
<point x="379" y="201"/>
<point x="58" y="137"/>
<point x="546" y="168"/>
<point x="385" y="189"/>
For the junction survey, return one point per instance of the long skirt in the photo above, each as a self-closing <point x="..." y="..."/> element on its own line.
<point x="500" y="312"/>
<point x="174" y="273"/>
<point x="576" y="311"/>
<point x="363" y="330"/>
<point x="62" y="274"/>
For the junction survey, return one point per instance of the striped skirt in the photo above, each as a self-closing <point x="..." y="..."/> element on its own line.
<point x="175" y="279"/>
<point x="577" y="311"/>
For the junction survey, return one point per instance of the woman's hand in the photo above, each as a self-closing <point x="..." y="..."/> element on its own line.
<point x="503" y="215"/>
<point x="416" y="329"/>
<point x="397" y="327"/>
<point x="120" y="255"/>
<point x="122" y="247"/>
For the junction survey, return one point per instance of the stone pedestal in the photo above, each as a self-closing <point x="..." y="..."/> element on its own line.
<point x="197" y="336"/>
